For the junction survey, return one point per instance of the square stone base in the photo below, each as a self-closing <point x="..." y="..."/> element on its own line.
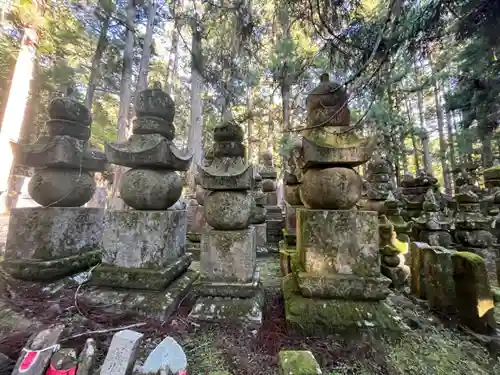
<point x="227" y="289"/>
<point x="50" y="270"/>
<point x="194" y="248"/>
<point x="144" y="239"/>
<point x="313" y="316"/>
<point x="107" y="275"/>
<point x="228" y="256"/>
<point x="245" y="311"/>
<point x="50" y="233"/>
<point x="274" y="230"/>
<point x="153" y="304"/>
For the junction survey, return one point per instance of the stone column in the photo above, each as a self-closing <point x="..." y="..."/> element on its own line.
<point x="258" y="219"/>
<point x="336" y="282"/>
<point x="229" y="286"/>
<point x="61" y="238"/>
<point x="274" y="216"/>
<point x="144" y="260"/>
<point x="196" y="221"/>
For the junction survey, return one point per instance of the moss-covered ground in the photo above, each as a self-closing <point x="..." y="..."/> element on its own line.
<point x="427" y="347"/>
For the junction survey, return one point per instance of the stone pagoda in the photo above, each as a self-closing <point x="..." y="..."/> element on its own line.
<point x="61" y="237"/>
<point x="274" y="215"/>
<point x="336" y="283"/>
<point x="392" y="209"/>
<point x="258" y="218"/>
<point x="292" y="196"/>
<point x="144" y="259"/>
<point x="413" y="193"/>
<point x="229" y="286"/>
<point x="196" y="220"/>
<point x="379" y="179"/>
<point x="472" y="229"/>
<point x="492" y="198"/>
<point x="433" y="225"/>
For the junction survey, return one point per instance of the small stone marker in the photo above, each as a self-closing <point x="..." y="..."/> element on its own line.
<point x="439" y="283"/>
<point x="168" y="354"/>
<point x="122" y="353"/>
<point x="65" y="360"/>
<point x="86" y="361"/>
<point x="298" y="362"/>
<point x="417" y="269"/>
<point x="35" y="358"/>
<point x="475" y="301"/>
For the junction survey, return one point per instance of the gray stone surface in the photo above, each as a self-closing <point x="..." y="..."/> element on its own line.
<point x="228" y="255"/>
<point x="4" y="228"/>
<point x="223" y="176"/>
<point x="144" y="239"/>
<point x="228" y="210"/>
<point x="47" y="233"/>
<point x="87" y="358"/>
<point x="150" y="189"/>
<point x="300" y="362"/>
<point x="245" y="311"/>
<point x="122" y="353"/>
<point x="338" y="242"/>
<point x="291" y="218"/>
<point x="196" y="222"/>
<point x="61" y="187"/>
<point x="260" y="234"/>
<point x="152" y="304"/>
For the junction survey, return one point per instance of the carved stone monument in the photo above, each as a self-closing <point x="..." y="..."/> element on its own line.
<point x="196" y="221"/>
<point x="144" y="259"/>
<point x="336" y="282"/>
<point x="258" y="218"/>
<point x="60" y="238"/>
<point x="229" y="286"/>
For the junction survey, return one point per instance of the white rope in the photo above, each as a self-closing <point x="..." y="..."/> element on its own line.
<point x="54" y="349"/>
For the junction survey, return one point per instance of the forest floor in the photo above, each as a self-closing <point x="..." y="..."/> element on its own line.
<point x="428" y="347"/>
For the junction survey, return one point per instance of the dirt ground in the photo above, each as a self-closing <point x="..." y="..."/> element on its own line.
<point x="428" y="347"/>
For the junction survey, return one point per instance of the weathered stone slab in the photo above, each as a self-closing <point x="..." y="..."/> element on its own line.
<point x="298" y="362"/>
<point x="41" y="340"/>
<point x="271" y="198"/>
<point x="475" y="302"/>
<point x="64" y="359"/>
<point x="436" y="238"/>
<point x="122" y="353"/>
<point x="237" y="177"/>
<point x="245" y="311"/>
<point x="291" y="218"/>
<point x="274" y="213"/>
<point x="228" y="255"/>
<point x="140" y="278"/>
<point x="49" y="270"/>
<point x="260" y="235"/>
<point x="439" y="283"/>
<point x="87" y="358"/>
<point x="417" y="284"/>
<point x="228" y="289"/>
<point x="47" y="233"/>
<point x="144" y="239"/>
<point x="338" y="242"/>
<point x="153" y="304"/>
<point x="194" y="248"/>
<point x="343" y="286"/>
<point x="322" y="316"/>
<point x="196" y="222"/>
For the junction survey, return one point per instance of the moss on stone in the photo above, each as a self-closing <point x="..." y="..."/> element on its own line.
<point x="470" y="257"/>
<point x="297" y="362"/>
<point x="316" y="316"/>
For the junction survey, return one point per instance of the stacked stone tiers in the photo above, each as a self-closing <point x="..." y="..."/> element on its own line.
<point x="144" y="264"/>
<point x="378" y="177"/>
<point x="60" y="238"/>
<point x="433" y="226"/>
<point x="229" y="289"/>
<point x="196" y="221"/>
<point x="336" y="282"/>
<point x="258" y="218"/>
<point x="274" y="213"/>
<point x="413" y="193"/>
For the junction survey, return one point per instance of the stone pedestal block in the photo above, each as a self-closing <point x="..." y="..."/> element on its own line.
<point x="47" y="243"/>
<point x="439" y="284"/>
<point x="475" y="303"/>
<point x="291" y="218"/>
<point x="271" y="198"/>
<point x="338" y="242"/>
<point x="261" y="235"/>
<point x="144" y="239"/>
<point x="228" y="255"/>
<point x="274" y="213"/>
<point x="417" y="284"/>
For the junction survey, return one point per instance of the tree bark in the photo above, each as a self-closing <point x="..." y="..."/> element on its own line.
<point x="125" y="99"/>
<point x="173" y="56"/>
<point x="424" y="137"/>
<point x="250" y="124"/>
<point x="142" y="80"/>
<point x="95" y="69"/>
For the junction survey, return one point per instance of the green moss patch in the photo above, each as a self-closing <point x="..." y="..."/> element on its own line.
<point x="297" y="362"/>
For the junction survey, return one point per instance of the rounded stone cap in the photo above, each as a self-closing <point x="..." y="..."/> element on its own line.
<point x="228" y="131"/>
<point x="155" y="102"/>
<point x="326" y="94"/>
<point x="266" y="158"/>
<point x="65" y="108"/>
<point x="257" y="177"/>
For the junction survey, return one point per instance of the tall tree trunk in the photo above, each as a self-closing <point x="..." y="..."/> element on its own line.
<point x="125" y="99"/>
<point x="442" y="141"/>
<point x="486" y="146"/>
<point x="14" y="111"/>
<point x="412" y="131"/>
<point x="250" y="124"/>
<point x="142" y="80"/>
<point x="95" y="70"/>
<point x="173" y="56"/>
<point x="424" y="137"/>
<point x="270" y="127"/>
<point x="451" y="142"/>
<point x="195" y="144"/>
